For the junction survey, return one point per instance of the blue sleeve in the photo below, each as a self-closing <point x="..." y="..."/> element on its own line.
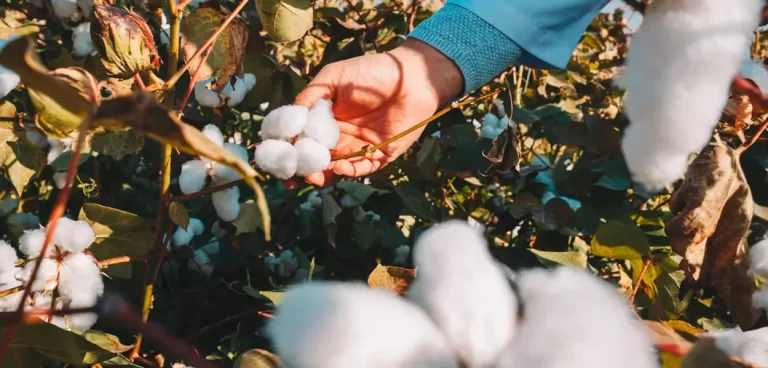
<point x="484" y="37"/>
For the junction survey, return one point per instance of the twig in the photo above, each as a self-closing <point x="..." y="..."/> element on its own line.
<point x="11" y="291"/>
<point x="455" y="105"/>
<point x="118" y="260"/>
<point x="640" y="280"/>
<point x="412" y="14"/>
<point x="195" y="76"/>
<point x="210" y="190"/>
<point x="139" y="82"/>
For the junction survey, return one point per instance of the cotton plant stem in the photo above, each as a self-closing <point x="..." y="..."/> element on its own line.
<point x="640" y="280"/>
<point x="455" y="105"/>
<point x="193" y="79"/>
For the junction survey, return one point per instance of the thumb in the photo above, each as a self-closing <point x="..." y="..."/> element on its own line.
<point x="321" y="87"/>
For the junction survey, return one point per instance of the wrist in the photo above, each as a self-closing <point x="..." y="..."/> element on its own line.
<point x="424" y="66"/>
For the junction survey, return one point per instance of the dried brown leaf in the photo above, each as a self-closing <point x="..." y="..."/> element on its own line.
<point x="714" y="251"/>
<point x="392" y="278"/>
<point x="505" y="153"/>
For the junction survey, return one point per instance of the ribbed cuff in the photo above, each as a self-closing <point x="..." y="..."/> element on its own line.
<point x="480" y="50"/>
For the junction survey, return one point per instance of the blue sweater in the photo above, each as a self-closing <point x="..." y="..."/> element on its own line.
<point x="484" y="37"/>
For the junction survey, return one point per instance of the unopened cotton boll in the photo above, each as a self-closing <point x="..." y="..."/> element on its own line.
<point x="322" y="125"/>
<point x="477" y="328"/>
<point x="758" y="259"/>
<point x="205" y="96"/>
<point x="8" y="257"/>
<point x="351" y="326"/>
<point x="80" y="276"/>
<point x="312" y="157"/>
<point x="751" y="346"/>
<point x="31" y="243"/>
<point x="227" y="203"/>
<point x="45" y="279"/>
<point x="277" y="157"/>
<point x="213" y="133"/>
<point x="679" y="70"/>
<point x="284" y="122"/>
<point x="81" y="39"/>
<point x="585" y="312"/>
<point x="193" y="176"/>
<point x="64" y="9"/>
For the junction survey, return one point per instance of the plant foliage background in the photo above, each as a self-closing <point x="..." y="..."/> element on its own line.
<point x="555" y="190"/>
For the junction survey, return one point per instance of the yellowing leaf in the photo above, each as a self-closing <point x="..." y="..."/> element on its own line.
<point x="618" y="241"/>
<point x="285" y="20"/>
<point x="577" y="259"/>
<point x="395" y="279"/>
<point x="179" y="214"/>
<point x="55" y="343"/>
<point x="249" y="220"/>
<point x="258" y="358"/>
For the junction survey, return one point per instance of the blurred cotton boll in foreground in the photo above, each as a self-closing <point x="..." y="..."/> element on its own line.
<point x="8" y="79"/>
<point x="679" y="69"/>
<point x="452" y="258"/>
<point x="568" y="313"/>
<point x="330" y="324"/>
<point x="751" y="346"/>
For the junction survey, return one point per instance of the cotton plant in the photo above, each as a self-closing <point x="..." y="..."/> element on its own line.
<point x="461" y="312"/>
<point x="230" y="95"/>
<point x="195" y="173"/>
<point x="546" y="177"/>
<point x="8" y="79"/>
<point x="66" y="269"/>
<point x="678" y="75"/>
<point x="283" y="265"/>
<point x="492" y="125"/>
<point x="81" y="40"/>
<point x="751" y="346"/>
<point x="297" y="140"/>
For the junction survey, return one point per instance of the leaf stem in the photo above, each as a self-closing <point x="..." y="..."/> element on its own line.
<point x="456" y="104"/>
<point x="640" y="280"/>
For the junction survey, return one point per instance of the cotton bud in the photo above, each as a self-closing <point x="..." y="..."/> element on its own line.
<point x="478" y="329"/>
<point x="758" y="259"/>
<point x="276" y="157"/>
<point x="31" y="243"/>
<point x="124" y="41"/>
<point x="284" y="122"/>
<point x="193" y="176"/>
<point x="227" y="203"/>
<point x="81" y="39"/>
<point x="322" y="125"/>
<point x="312" y="157"/>
<point x="369" y="328"/>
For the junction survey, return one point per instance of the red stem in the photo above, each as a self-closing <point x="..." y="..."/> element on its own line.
<point x="640" y="280"/>
<point x="195" y="75"/>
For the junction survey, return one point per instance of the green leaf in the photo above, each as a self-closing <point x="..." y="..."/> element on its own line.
<point x="649" y="277"/>
<point x="8" y="206"/>
<point x="21" y="159"/>
<point x="55" y="343"/>
<point x="370" y="233"/>
<point x="106" y="341"/>
<point x="358" y="190"/>
<point x="669" y="299"/>
<point x="619" y="241"/>
<point x="16" y="223"/>
<point x="285" y="20"/>
<point x="179" y="214"/>
<point x="118" y="233"/>
<point x="414" y="200"/>
<point x="574" y="258"/>
<point x="249" y="219"/>
<point x="331" y="209"/>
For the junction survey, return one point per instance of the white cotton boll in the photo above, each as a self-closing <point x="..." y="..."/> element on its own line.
<point x="212" y="248"/>
<point x="241" y="88"/>
<point x="82" y="321"/>
<point x="751" y="346"/>
<point x="760" y="299"/>
<point x="201" y="262"/>
<point x="312" y="157"/>
<point x="58" y="146"/>
<point x="196" y="226"/>
<point x="227" y="203"/>
<point x="322" y="125"/>
<point x="182" y="238"/>
<point x="284" y="265"/>
<point x="249" y="79"/>
<point x="86" y="6"/>
<point x="8" y="257"/>
<point x="477" y="328"/>
<point x="46" y="276"/>
<point x="79" y="275"/>
<point x="8" y="281"/>
<point x="284" y="122"/>
<point x="206" y="97"/>
<point x="64" y="9"/>
<point x="369" y="328"/>
<point x="81" y="39"/>
<point x="213" y="133"/>
<point x="60" y="179"/>
<point x="586" y="312"/>
<point x="193" y="176"/>
<point x="490" y="120"/>
<point x="756" y="71"/>
<point x="65" y="236"/>
<point x="222" y="174"/>
<point x="679" y="70"/>
<point x="31" y="243"/>
<point x="74" y="236"/>
<point x="489" y="132"/>
<point x="401" y="255"/>
<point x="758" y="259"/>
<point x="276" y="157"/>
<point x="217" y="230"/>
<point x="8" y="81"/>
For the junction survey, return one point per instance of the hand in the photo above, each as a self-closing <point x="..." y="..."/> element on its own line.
<point x="376" y="97"/>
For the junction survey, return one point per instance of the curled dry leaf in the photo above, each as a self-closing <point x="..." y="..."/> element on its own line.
<point x="124" y="42"/>
<point x="714" y="251"/>
<point x="53" y="119"/>
<point x="505" y="153"/>
<point x="228" y="52"/>
<point x="285" y="20"/>
<point x="396" y="279"/>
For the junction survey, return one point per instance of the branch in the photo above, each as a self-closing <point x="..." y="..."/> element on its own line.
<point x="640" y="280"/>
<point x="195" y="76"/>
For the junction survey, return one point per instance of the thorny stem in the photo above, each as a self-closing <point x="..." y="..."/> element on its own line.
<point x="195" y="76"/>
<point x="455" y="105"/>
<point x="177" y="75"/>
<point x="640" y="280"/>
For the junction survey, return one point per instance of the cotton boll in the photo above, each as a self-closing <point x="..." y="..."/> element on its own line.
<point x="8" y="281"/>
<point x="8" y="257"/>
<point x="312" y="157"/>
<point x="679" y="70"/>
<point x="755" y="70"/>
<point x="213" y="133"/>
<point x="760" y="299"/>
<point x="64" y="236"/>
<point x="218" y="231"/>
<point x="205" y="96"/>
<point x="322" y="125"/>
<point x="237" y="93"/>
<point x="758" y="259"/>
<point x="585" y="312"/>
<point x="227" y="203"/>
<point x="249" y="80"/>
<point x="489" y="132"/>
<point x="490" y="120"/>
<point x="751" y="346"/>
<point x="82" y="321"/>
<point x="284" y="122"/>
<point x="193" y="176"/>
<point x="224" y="174"/>
<point x="58" y="146"/>
<point x="477" y="328"/>
<point x="182" y="238"/>
<point x="80" y="276"/>
<point x="369" y="328"/>
<point x="79" y="238"/>
<point x="81" y="39"/>
<point x="46" y="276"/>
<point x="64" y="9"/>
<point x="8" y="81"/>
<point x="276" y="157"/>
<point x="31" y="243"/>
<point x="201" y="262"/>
<point x="196" y="226"/>
<point x="60" y="179"/>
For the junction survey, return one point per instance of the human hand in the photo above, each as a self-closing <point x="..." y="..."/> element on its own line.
<point x="376" y="97"/>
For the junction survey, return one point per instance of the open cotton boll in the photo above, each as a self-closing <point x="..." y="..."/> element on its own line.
<point x="31" y="243"/>
<point x="227" y="203"/>
<point x="81" y="39"/>
<point x="46" y="276"/>
<point x="82" y="321"/>
<point x="755" y="70"/>
<point x="196" y="226"/>
<point x="679" y="70"/>
<point x="165" y="31"/>
<point x="8" y="257"/>
<point x="60" y="179"/>
<point x="477" y="328"/>
<point x="184" y="237"/>
<point x="284" y="122"/>
<point x="241" y="88"/>
<point x="489" y="132"/>
<point x="249" y="80"/>
<point x="8" y="81"/>
<point x="760" y="299"/>
<point x="490" y="120"/>
<point x="201" y="262"/>
<point x="751" y="346"/>
<point x="568" y="312"/>
<point x="58" y="146"/>
<point x="758" y="259"/>
<point x="193" y="176"/>
<point x="217" y="230"/>
<point x="312" y="157"/>
<point x="322" y="125"/>
<point x="79" y="274"/>
<point x="213" y="133"/>
<point x="223" y="174"/>
<point x="74" y="236"/>
<point x="64" y="233"/>
<point x="205" y="96"/>
<point x="8" y="281"/>
<point x="350" y="325"/>
<point x="64" y="9"/>
<point x="276" y="157"/>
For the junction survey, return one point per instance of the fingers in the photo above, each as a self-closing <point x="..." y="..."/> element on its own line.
<point x="323" y="179"/>
<point x="323" y="86"/>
